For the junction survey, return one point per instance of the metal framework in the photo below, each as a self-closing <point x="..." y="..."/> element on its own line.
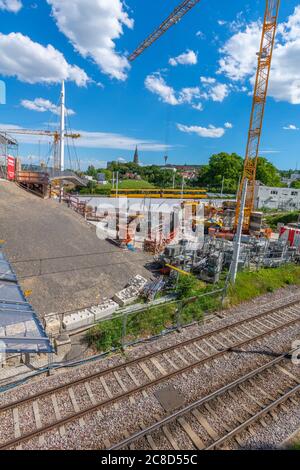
<point x="258" y="108"/>
<point x="54" y="134"/>
<point x="172" y="19"/>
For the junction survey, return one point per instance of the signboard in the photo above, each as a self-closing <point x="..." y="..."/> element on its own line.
<point x="10" y="172"/>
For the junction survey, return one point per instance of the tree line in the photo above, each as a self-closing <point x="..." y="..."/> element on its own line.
<point x="223" y="170"/>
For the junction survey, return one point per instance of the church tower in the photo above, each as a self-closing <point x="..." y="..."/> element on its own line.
<point x="136" y="159"/>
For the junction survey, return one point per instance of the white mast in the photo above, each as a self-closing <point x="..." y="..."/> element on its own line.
<point x="62" y="127"/>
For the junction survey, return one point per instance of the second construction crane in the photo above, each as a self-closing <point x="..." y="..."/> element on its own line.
<point x="54" y="134"/>
<point x="258" y="108"/>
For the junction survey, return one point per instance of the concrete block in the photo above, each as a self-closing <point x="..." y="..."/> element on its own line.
<point x="138" y="281"/>
<point x="52" y="324"/>
<point x="78" y="320"/>
<point x="127" y="296"/>
<point x="105" y="309"/>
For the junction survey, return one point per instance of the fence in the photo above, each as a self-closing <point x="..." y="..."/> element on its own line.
<point x="126" y="329"/>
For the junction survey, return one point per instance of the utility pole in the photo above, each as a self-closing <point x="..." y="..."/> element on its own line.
<point x="117" y="185"/>
<point x="182" y="188"/>
<point x="62" y="134"/>
<point x="222" y="190"/>
<point x="237" y="244"/>
<point x="174" y="174"/>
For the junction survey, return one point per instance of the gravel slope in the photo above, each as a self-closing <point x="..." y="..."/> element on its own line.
<point x="35" y="228"/>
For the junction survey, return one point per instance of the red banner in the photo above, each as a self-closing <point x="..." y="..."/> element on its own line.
<point x="10" y="172"/>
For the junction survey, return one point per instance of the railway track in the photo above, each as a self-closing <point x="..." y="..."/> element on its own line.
<point x="247" y="401"/>
<point x="52" y="409"/>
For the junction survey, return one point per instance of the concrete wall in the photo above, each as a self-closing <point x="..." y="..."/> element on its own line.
<point x="277" y="198"/>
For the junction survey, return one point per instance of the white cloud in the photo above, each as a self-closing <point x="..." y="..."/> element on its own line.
<point x="92" y="26"/>
<point x="212" y="90"/>
<point x="187" y="58"/>
<point x="209" y="80"/>
<point x="235" y="63"/>
<point x="291" y="29"/>
<point x="285" y="73"/>
<point x="157" y="85"/>
<point x="188" y="95"/>
<point x="228" y="125"/>
<point x="219" y="92"/>
<point x="269" y="151"/>
<point x="198" y="106"/>
<point x="11" y="5"/>
<point x="221" y="22"/>
<point x="291" y="127"/>
<point x="200" y="35"/>
<point x="96" y="140"/>
<point x="41" y="105"/>
<point x="33" y="63"/>
<point x="210" y="131"/>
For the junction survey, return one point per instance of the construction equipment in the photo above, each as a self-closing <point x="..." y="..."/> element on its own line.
<point x="259" y="98"/>
<point x="172" y="19"/>
<point x="54" y="134"/>
<point x="180" y="271"/>
<point x="258" y="107"/>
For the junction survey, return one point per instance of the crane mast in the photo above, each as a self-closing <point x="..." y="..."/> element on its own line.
<point x="172" y="19"/>
<point x="258" y="109"/>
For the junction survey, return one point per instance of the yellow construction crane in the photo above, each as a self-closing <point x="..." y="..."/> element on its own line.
<point x="257" y="113"/>
<point x="172" y="19"/>
<point x="54" y="134"/>
<point x="259" y="97"/>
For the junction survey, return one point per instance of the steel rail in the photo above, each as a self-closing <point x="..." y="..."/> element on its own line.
<point x="206" y="399"/>
<point x="254" y="418"/>
<point x="137" y="360"/>
<point x="128" y="393"/>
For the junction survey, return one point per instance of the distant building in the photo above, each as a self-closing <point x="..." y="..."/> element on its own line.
<point x="89" y="178"/>
<point x="132" y="176"/>
<point x="101" y="178"/>
<point x="289" y="180"/>
<point x="189" y="172"/>
<point x="136" y="159"/>
<point x="276" y="198"/>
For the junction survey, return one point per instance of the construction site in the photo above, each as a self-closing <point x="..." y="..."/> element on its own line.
<point x="159" y="318"/>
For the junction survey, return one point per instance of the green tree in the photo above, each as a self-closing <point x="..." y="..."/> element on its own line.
<point x="91" y="171"/>
<point x="221" y="166"/>
<point x="296" y="184"/>
<point x="267" y="173"/>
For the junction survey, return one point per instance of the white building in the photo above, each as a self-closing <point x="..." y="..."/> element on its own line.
<point x="294" y="177"/>
<point x="276" y="198"/>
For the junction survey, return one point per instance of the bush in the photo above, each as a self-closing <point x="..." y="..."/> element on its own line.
<point x="286" y="218"/>
<point x="152" y="321"/>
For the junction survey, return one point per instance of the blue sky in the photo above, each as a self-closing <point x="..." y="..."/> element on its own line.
<point x="189" y="95"/>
